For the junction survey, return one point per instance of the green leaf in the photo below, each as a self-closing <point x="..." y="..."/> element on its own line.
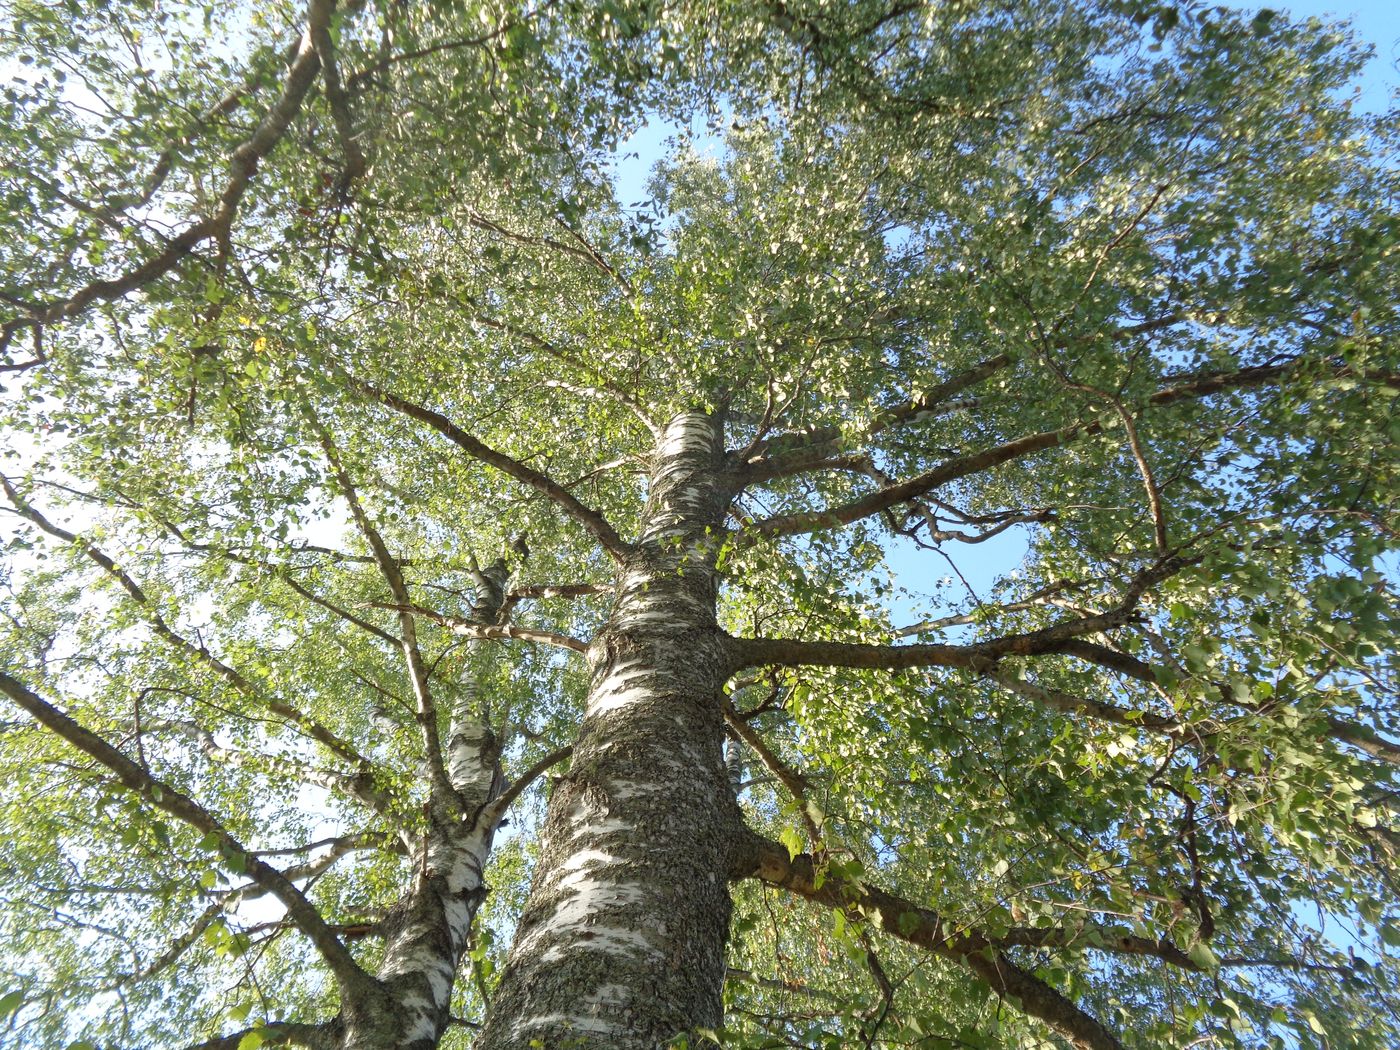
<point x="792" y="839"/>
<point x="1200" y="953"/>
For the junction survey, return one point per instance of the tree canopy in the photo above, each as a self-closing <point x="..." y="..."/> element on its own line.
<point x="997" y="399"/>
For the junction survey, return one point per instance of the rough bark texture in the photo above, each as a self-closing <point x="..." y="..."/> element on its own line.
<point x="622" y="942"/>
<point x="428" y="932"/>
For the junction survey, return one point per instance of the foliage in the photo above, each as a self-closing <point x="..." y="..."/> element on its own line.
<point x="893" y="243"/>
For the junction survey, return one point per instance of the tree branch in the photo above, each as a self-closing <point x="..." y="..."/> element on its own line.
<point x="557" y="590"/>
<point x="274" y="1033"/>
<point x="794" y="781"/>
<point x="318" y="28"/>
<point x="977" y="656"/>
<point x="497" y="808"/>
<point x="496" y="631"/>
<point x="427" y="717"/>
<point x="359" y="786"/>
<point x="242" y="165"/>
<point x="771" y="863"/>
<point x="163" y="630"/>
<point x="1182" y="388"/>
<point x="1081" y="705"/>
<point x="283" y="573"/>
<point x="591" y="520"/>
<point x="349" y="976"/>
<point x="793" y="453"/>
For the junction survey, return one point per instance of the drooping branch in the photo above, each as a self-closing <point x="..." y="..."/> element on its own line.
<point x="339" y="847"/>
<point x="1039" y="597"/>
<point x="591" y="520"/>
<point x="1066" y="703"/>
<point x="1348" y="732"/>
<point x="197" y="652"/>
<point x="580" y="249"/>
<point x="426" y="713"/>
<point x="348" y="974"/>
<point x="1135" y="446"/>
<point x="359" y="786"/>
<point x="1085" y="933"/>
<point x="174" y="950"/>
<point x="283" y="573"/>
<point x="598" y="385"/>
<point x="366" y="75"/>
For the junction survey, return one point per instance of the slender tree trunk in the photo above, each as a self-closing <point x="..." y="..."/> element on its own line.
<point x="427" y="933"/>
<point x="622" y="941"/>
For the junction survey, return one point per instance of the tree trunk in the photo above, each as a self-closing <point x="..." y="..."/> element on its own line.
<point x="621" y="944"/>
<point x="427" y="933"/>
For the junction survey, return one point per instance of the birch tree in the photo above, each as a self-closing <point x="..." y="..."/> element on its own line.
<point x="923" y="575"/>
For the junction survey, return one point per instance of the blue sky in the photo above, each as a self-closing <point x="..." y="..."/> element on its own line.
<point x="1378" y="23"/>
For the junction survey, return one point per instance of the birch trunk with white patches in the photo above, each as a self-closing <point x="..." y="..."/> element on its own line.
<point x="621" y="944"/>
<point x="429" y="931"/>
<point x="429" y="934"/>
<point x="734" y="763"/>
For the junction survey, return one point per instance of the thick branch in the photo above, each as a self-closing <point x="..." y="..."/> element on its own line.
<point x="318" y="28"/>
<point x="1364" y="739"/>
<point x="771" y="863"/>
<point x="821" y="449"/>
<point x="978" y="656"/>
<point x="1082" y="705"/>
<point x="242" y="165"/>
<point x="787" y="987"/>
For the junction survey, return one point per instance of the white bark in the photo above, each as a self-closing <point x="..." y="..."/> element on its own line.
<point x="622" y="942"/>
